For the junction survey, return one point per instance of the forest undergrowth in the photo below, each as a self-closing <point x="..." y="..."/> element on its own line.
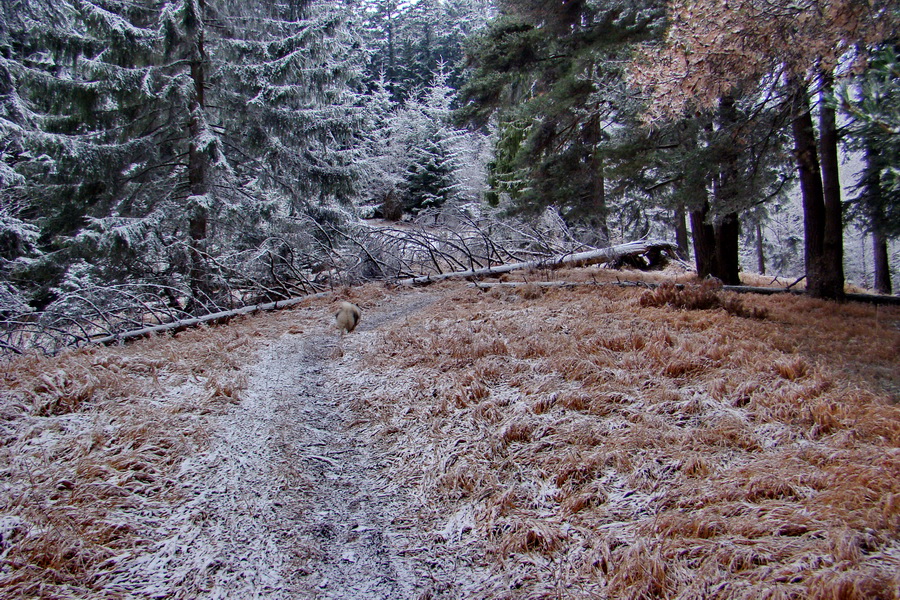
<point x="583" y="442"/>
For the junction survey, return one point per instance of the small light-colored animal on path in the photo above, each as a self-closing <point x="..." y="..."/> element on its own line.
<point x="347" y="317"/>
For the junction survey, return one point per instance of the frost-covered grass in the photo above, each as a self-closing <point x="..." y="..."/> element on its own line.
<point x="91" y="445"/>
<point x="608" y="449"/>
<point x="557" y="442"/>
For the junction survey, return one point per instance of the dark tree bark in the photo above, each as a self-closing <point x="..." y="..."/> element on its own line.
<point x="391" y="72"/>
<point x="716" y="233"/>
<point x="873" y="202"/>
<point x="704" y="237"/>
<point x="833" y="240"/>
<point x="726" y="224"/>
<point x="821" y="281"/>
<point x="198" y="163"/>
<point x="760" y="251"/>
<point x="727" y="236"/>
<point x="882" y="264"/>
<point x="681" y="231"/>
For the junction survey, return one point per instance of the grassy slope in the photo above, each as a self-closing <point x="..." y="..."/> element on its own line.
<point x="599" y="448"/>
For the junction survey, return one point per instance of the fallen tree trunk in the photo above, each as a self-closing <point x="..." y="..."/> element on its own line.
<point x="219" y="317"/>
<point x="577" y="259"/>
<point x="870" y="298"/>
<point x="603" y="255"/>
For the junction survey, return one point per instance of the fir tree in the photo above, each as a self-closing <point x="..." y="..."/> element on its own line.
<point x="871" y="107"/>
<point x="548" y="72"/>
<point x="178" y="134"/>
<point x="431" y="178"/>
<point x="383" y="152"/>
<point x="413" y="153"/>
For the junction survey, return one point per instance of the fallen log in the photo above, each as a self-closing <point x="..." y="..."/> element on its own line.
<point x="870" y="298"/>
<point x="578" y="259"/>
<point x="219" y="317"/>
<point x="561" y="284"/>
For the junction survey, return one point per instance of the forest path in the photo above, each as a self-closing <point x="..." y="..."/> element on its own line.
<point x="289" y="500"/>
<point x="345" y="542"/>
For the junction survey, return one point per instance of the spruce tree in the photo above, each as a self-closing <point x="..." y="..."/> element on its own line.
<point x="179" y="137"/>
<point x="548" y="73"/>
<point x="431" y="175"/>
<point x="871" y="108"/>
<point x="413" y="156"/>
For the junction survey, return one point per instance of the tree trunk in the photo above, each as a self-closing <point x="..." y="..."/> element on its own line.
<point x="818" y="277"/>
<point x="579" y="259"/>
<point x="727" y="235"/>
<point x="198" y="167"/>
<point x="598" y="211"/>
<point x="874" y="204"/>
<point x="681" y="231"/>
<point x="882" y="263"/>
<point x="392" y="66"/>
<point x="716" y="246"/>
<point x="727" y="226"/>
<point x="760" y="251"/>
<point x="833" y="241"/>
<point x="704" y="237"/>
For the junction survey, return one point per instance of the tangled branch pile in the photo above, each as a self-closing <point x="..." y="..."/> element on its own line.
<point x="333" y="254"/>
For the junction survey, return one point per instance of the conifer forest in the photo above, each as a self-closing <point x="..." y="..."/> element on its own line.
<point x="450" y="299"/>
<point x="171" y="159"/>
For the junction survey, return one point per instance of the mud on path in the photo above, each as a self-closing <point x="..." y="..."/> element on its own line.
<point x="290" y="501"/>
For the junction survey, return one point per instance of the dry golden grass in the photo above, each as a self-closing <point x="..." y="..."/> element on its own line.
<point x="615" y="450"/>
<point x="91" y="442"/>
<point x="606" y="450"/>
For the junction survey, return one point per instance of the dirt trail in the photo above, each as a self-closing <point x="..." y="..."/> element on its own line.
<point x="346" y="543"/>
<point x="289" y="501"/>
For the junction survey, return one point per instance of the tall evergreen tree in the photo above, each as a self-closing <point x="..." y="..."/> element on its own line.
<point x="547" y="72"/>
<point x="413" y="153"/>
<point x="872" y="109"/>
<point x="431" y="176"/>
<point x="172" y="130"/>
<point x="711" y="49"/>
<point x="68" y="84"/>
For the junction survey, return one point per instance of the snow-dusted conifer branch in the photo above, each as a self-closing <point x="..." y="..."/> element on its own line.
<point x="276" y="269"/>
<point x="280" y="267"/>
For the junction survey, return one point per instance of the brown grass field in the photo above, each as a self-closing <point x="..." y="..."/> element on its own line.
<point x="90" y="447"/>
<point x="606" y="443"/>
<point x="614" y="450"/>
